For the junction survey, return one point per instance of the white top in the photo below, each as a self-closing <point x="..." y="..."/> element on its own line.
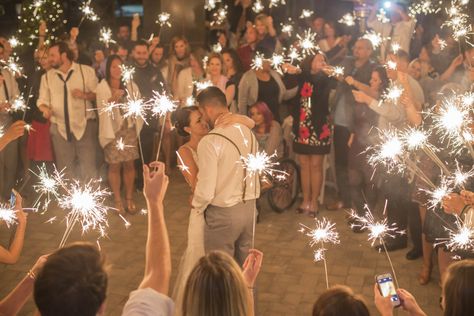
<point x="110" y="123"/>
<point x="324" y="45"/>
<point x="402" y="33"/>
<point x="220" y="180"/>
<point x="147" y="302"/>
<point x="51" y="94"/>
<point x="13" y="92"/>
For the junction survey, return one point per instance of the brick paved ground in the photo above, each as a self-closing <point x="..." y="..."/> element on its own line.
<point x="288" y="284"/>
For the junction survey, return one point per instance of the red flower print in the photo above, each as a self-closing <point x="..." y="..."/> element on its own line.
<point x="302" y="115"/>
<point x="304" y="132"/>
<point x="326" y="132"/>
<point x="307" y="90"/>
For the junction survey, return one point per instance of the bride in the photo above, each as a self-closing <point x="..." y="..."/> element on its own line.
<point x="189" y="122"/>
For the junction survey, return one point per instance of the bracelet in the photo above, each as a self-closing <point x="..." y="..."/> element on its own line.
<point x="31" y="275"/>
<point x="251" y="288"/>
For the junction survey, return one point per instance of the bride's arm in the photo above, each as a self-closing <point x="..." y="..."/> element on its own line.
<point x="187" y="166"/>
<point x="233" y="118"/>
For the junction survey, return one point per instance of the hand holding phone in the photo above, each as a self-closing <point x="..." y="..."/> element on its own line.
<point x="387" y="288"/>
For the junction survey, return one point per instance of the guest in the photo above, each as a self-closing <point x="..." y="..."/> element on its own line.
<point x="114" y="129"/>
<point x="215" y="71"/>
<point x="217" y="286"/>
<point x="159" y="61"/>
<point x="185" y="86"/>
<point x="333" y="45"/>
<point x="233" y="71"/>
<point x="340" y="300"/>
<point x="65" y="97"/>
<point x="264" y="85"/>
<point x="178" y="59"/>
<point x="11" y="254"/>
<point x="360" y="68"/>
<point x="312" y="129"/>
<point x="267" y="131"/>
<point x="247" y="51"/>
<point x="9" y="155"/>
<point x="266" y="34"/>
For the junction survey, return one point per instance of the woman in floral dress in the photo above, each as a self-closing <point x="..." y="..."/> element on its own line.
<point x="312" y="128"/>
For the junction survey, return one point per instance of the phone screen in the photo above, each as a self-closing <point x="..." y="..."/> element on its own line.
<point x="387" y="288"/>
<point x="12" y="200"/>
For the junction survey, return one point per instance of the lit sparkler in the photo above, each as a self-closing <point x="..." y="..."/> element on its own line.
<point x="48" y="186"/>
<point x="106" y="36"/>
<point x="201" y="85"/>
<point x="424" y="8"/>
<point x="276" y="3"/>
<point x="258" y="6"/>
<point x="459" y="177"/>
<point x="164" y="19"/>
<point x="307" y="42"/>
<point x="12" y="65"/>
<point x="375" y="38"/>
<point x="135" y="108"/>
<point x="211" y="4"/>
<point x="120" y="144"/>
<point x="88" y="12"/>
<point x="390" y="64"/>
<point x="324" y="232"/>
<point x="220" y="16"/>
<point x="389" y="152"/>
<point x="382" y="16"/>
<point x="260" y="164"/>
<point x="392" y="93"/>
<point x="294" y="55"/>
<point x="127" y="73"/>
<point x="182" y="166"/>
<point x="18" y="104"/>
<point x="461" y="238"/>
<point x="162" y="104"/>
<point x="348" y="19"/>
<point x="7" y="215"/>
<point x="217" y="48"/>
<point x="287" y="27"/>
<point x="305" y="13"/>
<point x="14" y="42"/>
<point x="438" y="193"/>
<point x="277" y="61"/>
<point x="395" y="47"/>
<point x="257" y="61"/>
<point x="190" y="101"/>
<point x="337" y="71"/>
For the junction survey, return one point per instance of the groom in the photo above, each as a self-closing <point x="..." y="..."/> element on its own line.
<point x="223" y="191"/>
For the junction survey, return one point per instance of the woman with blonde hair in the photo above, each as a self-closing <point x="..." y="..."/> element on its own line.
<point x="217" y="286"/>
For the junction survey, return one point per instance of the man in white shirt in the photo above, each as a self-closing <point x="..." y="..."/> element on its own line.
<point x="399" y="29"/>
<point x="65" y="97"/>
<point x="9" y="155"/>
<point x="225" y="192"/>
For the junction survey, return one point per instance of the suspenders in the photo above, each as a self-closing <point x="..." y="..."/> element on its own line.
<point x="240" y="154"/>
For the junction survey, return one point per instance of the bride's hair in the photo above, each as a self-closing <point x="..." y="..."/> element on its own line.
<point x="216" y="287"/>
<point x="182" y="118"/>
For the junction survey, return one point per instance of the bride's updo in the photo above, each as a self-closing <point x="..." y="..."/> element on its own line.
<point x="182" y="119"/>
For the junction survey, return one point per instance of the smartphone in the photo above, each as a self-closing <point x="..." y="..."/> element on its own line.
<point x="12" y="199"/>
<point x="387" y="288"/>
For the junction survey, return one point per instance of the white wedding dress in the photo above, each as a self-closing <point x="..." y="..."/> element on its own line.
<point x="194" y="251"/>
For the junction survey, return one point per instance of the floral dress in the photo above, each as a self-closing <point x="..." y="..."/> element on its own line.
<point x="312" y="127"/>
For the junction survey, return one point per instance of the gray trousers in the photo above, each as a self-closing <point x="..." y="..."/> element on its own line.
<point x="8" y="168"/>
<point x="84" y="151"/>
<point x="229" y="229"/>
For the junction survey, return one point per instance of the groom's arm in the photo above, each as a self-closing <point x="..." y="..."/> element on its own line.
<point x="207" y="174"/>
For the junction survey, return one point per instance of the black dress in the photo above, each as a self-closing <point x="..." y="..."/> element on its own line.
<point x="268" y="92"/>
<point x="311" y="124"/>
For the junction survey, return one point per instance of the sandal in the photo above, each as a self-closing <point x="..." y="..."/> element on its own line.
<point x="131" y="207"/>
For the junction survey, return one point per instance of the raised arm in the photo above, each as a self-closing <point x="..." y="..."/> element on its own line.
<point x="11" y="255"/>
<point x="158" y="254"/>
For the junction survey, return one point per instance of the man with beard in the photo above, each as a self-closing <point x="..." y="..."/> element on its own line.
<point x="65" y="97"/>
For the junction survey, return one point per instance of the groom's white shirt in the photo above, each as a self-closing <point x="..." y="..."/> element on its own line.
<point x="221" y="173"/>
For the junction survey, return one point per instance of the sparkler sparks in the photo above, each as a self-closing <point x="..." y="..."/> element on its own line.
<point x="277" y="61"/>
<point x="337" y="71"/>
<point x="395" y="47"/>
<point x="127" y="73"/>
<point x="461" y="238"/>
<point x="382" y="16"/>
<point x="164" y="19"/>
<point x="438" y="194"/>
<point x="307" y="42"/>
<point x="162" y="104"/>
<point x="324" y="231"/>
<point x="415" y="138"/>
<point x="182" y="166"/>
<point x="48" y="186"/>
<point x="390" y="64"/>
<point x="106" y="36"/>
<point x="458" y="21"/>
<point x="348" y="19"/>
<point x="389" y="151"/>
<point x="201" y="85"/>
<point x="217" y="48"/>
<point x="257" y="61"/>
<point x="14" y="42"/>
<point x="13" y="66"/>
<point x="120" y="144"/>
<point x="424" y="8"/>
<point x="88" y="12"/>
<point x="190" y="101"/>
<point x="258" y="6"/>
<point x="287" y="27"/>
<point x="375" y="38"/>
<point x="220" y="16"/>
<point x="276" y="3"/>
<point x="211" y="4"/>
<point x="393" y="93"/>
<point x="459" y="178"/>
<point x="294" y="55"/>
<point x="260" y="164"/>
<point x="7" y="215"/>
<point x="18" y="104"/>
<point x="134" y="108"/>
<point x="305" y="13"/>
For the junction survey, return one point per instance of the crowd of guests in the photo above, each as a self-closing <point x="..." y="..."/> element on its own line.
<point x="70" y="125"/>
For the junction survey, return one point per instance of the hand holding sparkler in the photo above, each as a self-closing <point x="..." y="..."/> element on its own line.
<point x="251" y="267"/>
<point x="155" y="183"/>
<point x="15" y="131"/>
<point x="361" y="97"/>
<point x="468" y="197"/>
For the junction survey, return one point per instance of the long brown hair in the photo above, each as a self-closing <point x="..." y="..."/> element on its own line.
<point x="458" y="290"/>
<point x="340" y="300"/>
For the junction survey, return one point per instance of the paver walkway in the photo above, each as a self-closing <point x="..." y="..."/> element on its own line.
<point x="289" y="281"/>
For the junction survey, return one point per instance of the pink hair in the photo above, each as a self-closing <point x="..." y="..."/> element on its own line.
<point x="262" y="107"/>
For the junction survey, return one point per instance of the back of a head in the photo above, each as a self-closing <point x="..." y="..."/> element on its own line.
<point x="340" y="300"/>
<point x="72" y="282"/>
<point x="216" y="287"/>
<point x="211" y="96"/>
<point x="459" y="289"/>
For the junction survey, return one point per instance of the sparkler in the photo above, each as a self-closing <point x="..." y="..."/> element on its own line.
<point x="88" y="13"/>
<point x="392" y="93"/>
<point x="127" y="73"/>
<point x="190" y="101"/>
<point x="18" y="104"/>
<point x="276" y="3"/>
<point x="337" y="71"/>
<point x="106" y="36"/>
<point x="377" y="231"/>
<point x="375" y="38"/>
<point x="442" y="44"/>
<point x="182" y="166"/>
<point x="86" y="205"/>
<point x="424" y="8"/>
<point x="161" y="106"/>
<point x="201" y="85"/>
<point x="294" y="55"/>
<point x="220" y="16"/>
<point x="164" y="19"/>
<point x="7" y="215"/>
<point x="48" y="186"/>
<point x="257" y="61"/>
<point x="305" y="13"/>
<point x="134" y="108"/>
<point x="277" y="61"/>
<point x="287" y="27"/>
<point x="395" y="47"/>
<point x="260" y="164"/>
<point x="211" y="4"/>
<point x="307" y="42"/>
<point x="458" y="21"/>
<point x="14" y="42"/>
<point x="13" y="66"/>
<point x="217" y="48"/>
<point x="438" y="193"/>
<point x="347" y="19"/>
<point x="382" y="16"/>
<point x="460" y="238"/>
<point x="390" y="64"/>
<point x="258" y="6"/>
<point x="324" y="232"/>
<point x="120" y="144"/>
<point x="459" y="178"/>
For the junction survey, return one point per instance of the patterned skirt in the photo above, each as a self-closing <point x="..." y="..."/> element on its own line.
<point x="124" y="148"/>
